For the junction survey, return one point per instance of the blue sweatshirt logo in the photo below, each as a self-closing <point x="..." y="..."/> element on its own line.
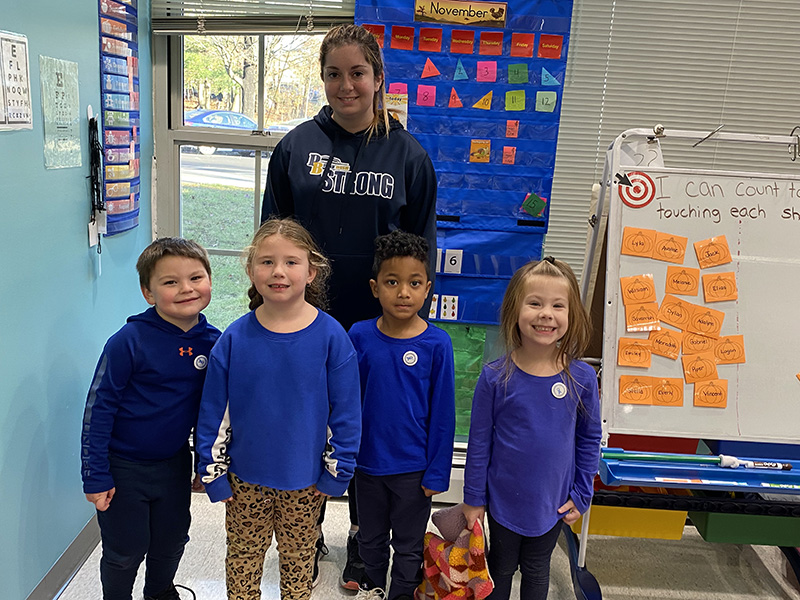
<point x="365" y="183"/>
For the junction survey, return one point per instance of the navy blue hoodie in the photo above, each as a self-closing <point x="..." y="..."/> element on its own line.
<point x="145" y="394"/>
<point x="347" y="191"/>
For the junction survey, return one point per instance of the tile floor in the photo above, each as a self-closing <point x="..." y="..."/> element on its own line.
<point x="625" y="568"/>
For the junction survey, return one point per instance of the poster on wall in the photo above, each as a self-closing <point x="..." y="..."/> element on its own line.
<point x="15" y="91"/>
<point x="60" y="111"/>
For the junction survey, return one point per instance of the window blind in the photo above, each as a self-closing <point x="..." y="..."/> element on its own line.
<point x="681" y="63"/>
<point x="221" y="17"/>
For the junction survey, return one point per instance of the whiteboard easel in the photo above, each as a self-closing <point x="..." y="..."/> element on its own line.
<point x="763" y="401"/>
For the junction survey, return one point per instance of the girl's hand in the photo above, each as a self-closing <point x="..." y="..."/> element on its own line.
<point x="571" y="514"/>
<point x="101" y="500"/>
<point x="429" y="492"/>
<point x="228" y="499"/>
<point x="318" y="493"/>
<point x="473" y="513"/>
<point x="197" y="484"/>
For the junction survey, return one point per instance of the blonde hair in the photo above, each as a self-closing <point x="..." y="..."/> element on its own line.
<point x="355" y="35"/>
<point x="317" y="290"/>
<point x="579" y="329"/>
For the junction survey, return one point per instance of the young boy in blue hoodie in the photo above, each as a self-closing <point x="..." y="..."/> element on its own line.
<point x="408" y="417"/>
<point x="140" y="411"/>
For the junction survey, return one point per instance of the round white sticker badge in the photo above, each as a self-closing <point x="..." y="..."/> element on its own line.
<point x="200" y="363"/>
<point x="559" y="390"/>
<point x="410" y="358"/>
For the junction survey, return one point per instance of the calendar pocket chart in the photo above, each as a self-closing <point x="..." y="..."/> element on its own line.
<point x="484" y="83"/>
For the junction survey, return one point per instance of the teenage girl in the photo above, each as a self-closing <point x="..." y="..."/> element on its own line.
<point x="350" y="175"/>
<point x="534" y="438"/>
<point x="280" y="416"/>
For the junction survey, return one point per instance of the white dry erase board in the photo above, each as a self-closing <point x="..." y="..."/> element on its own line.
<point x="725" y="362"/>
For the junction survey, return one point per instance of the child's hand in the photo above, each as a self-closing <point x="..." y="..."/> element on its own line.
<point x="428" y="492"/>
<point x="318" y="493"/>
<point x="197" y="484"/>
<point x="571" y="514"/>
<point x="101" y="500"/>
<point x="473" y="513"/>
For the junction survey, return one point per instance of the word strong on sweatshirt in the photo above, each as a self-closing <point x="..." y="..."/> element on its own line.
<point x="365" y="183"/>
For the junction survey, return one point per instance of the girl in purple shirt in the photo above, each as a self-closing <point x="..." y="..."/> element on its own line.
<point x="534" y="439"/>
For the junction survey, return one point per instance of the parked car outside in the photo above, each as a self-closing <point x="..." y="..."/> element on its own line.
<point x="286" y="126"/>
<point x="221" y="119"/>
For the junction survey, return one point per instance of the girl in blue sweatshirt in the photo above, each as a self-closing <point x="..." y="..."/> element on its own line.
<point x="534" y="438"/>
<point x="280" y="415"/>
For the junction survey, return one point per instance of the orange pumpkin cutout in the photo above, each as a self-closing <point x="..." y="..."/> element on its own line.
<point x="712" y="252"/>
<point x="638" y="289"/>
<point x="706" y="321"/>
<point x="694" y="343"/>
<point x="713" y="393"/>
<point x="638" y="242"/>
<point x="682" y="281"/>
<point x="667" y="391"/>
<point x="635" y="390"/>
<point x="699" y="367"/>
<point x="670" y="248"/>
<point x="666" y="343"/>
<point x="641" y="317"/>
<point x="729" y="350"/>
<point x="718" y="287"/>
<point x="633" y="352"/>
<point x="675" y="312"/>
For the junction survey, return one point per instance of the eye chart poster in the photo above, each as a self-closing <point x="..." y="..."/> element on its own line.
<point x="15" y="90"/>
<point x="60" y="109"/>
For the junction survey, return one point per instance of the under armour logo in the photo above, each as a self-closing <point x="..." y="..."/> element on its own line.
<point x="182" y="351"/>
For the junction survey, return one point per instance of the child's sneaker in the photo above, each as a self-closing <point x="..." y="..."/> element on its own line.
<point x="171" y="593"/>
<point x="370" y="594"/>
<point x="354" y="568"/>
<point x="322" y="550"/>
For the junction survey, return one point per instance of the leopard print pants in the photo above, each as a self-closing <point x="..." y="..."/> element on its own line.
<point x="251" y="518"/>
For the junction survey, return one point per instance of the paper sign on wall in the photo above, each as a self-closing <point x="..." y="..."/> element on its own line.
<point x="633" y="352"/>
<point x="641" y="317"/>
<point x="682" y="281"/>
<point x="666" y="343"/>
<point x="667" y="391"/>
<point x="635" y="390"/>
<point x="711" y="394"/>
<point x="719" y="287"/>
<point x="426" y="95"/>
<point x="449" y="308"/>
<point x="638" y="289"/>
<point x="699" y="367"/>
<point x="729" y="350"/>
<point x="712" y="252"/>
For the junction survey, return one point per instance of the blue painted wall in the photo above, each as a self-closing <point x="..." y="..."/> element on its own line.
<point x="55" y="311"/>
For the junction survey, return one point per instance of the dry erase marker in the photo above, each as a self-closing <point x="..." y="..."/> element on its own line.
<point x="766" y="464"/>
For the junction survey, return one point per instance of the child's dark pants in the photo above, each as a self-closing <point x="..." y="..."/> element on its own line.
<point x="393" y="503"/>
<point x="509" y="550"/>
<point x="149" y="516"/>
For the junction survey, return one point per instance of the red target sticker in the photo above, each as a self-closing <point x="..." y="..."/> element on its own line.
<point x="641" y="191"/>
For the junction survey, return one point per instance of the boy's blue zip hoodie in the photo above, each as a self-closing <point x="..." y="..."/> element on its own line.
<point x="145" y="394"/>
